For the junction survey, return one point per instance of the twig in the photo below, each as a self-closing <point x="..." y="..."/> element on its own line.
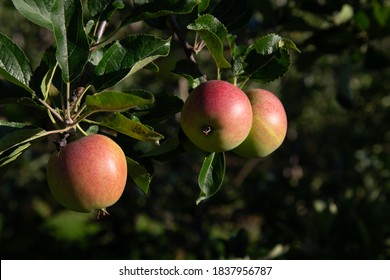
<point x="48" y="107"/>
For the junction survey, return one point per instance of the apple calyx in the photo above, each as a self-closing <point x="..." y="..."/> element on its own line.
<point x="207" y="130"/>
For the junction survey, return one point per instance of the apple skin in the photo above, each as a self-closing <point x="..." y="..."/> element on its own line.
<point x="217" y="116"/>
<point x="88" y="174"/>
<point x="269" y="125"/>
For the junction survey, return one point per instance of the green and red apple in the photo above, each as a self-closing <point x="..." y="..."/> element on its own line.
<point x="217" y="116"/>
<point x="269" y="126"/>
<point x="88" y="174"/>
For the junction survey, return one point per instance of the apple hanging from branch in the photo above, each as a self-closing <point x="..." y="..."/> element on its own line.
<point x="269" y="125"/>
<point x="88" y="174"/>
<point x="217" y="116"/>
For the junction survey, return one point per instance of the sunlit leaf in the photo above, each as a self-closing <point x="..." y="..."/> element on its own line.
<point x="203" y="5"/>
<point x="213" y="33"/>
<point x="125" y="57"/>
<point x="72" y="44"/>
<point x="267" y="59"/>
<point x="139" y="174"/>
<point x="134" y="129"/>
<point x="211" y="175"/>
<point x="14" y="65"/>
<point x="5" y="160"/>
<point x="118" y="101"/>
<point x="13" y="134"/>
<point x="37" y="11"/>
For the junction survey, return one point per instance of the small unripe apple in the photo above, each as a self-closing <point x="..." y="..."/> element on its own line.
<point x="269" y="126"/>
<point x="217" y="116"/>
<point x="88" y="174"/>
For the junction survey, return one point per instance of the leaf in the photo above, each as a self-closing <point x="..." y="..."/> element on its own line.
<point x="118" y="101"/>
<point x="266" y="68"/>
<point x="136" y="130"/>
<point x="47" y="81"/>
<point x="266" y="59"/>
<point x="14" y="134"/>
<point x="203" y="5"/>
<point x="14" y="65"/>
<point x="36" y="11"/>
<point x="45" y="75"/>
<point x="105" y="8"/>
<point x="72" y="45"/>
<point x="96" y="7"/>
<point x="211" y="175"/>
<point x="10" y="157"/>
<point x="148" y="9"/>
<point x="213" y="33"/>
<point x="138" y="174"/>
<point x="124" y="58"/>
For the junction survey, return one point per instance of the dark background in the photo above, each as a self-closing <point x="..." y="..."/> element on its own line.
<point x="323" y="195"/>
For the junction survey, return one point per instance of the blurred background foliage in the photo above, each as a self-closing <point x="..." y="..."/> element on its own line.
<point x="325" y="194"/>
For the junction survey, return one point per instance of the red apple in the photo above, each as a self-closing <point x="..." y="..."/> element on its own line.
<point x="217" y="116"/>
<point x="269" y="125"/>
<point x="88" y="174"/>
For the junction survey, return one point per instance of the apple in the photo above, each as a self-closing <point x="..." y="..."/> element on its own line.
<point x="217" y="116"/>
<point x="269" y="125"/>
<point x="88" y="174"/>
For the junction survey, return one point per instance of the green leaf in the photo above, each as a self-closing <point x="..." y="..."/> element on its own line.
<point x="211" y="175"/>
<point x="96" y="7"/>
<point x="286" y="43"/>
<point x="5" y="160"/>
<point x="266" y="59"/>
<point x="266" y="68"/>
<point x="47" y="81"/>
<point x="138" y="174"/>
<point x="104" y="8"/>
<point x="134" y="129"/>
<point x="124" y="58"/>
<point x="118" y="101"/>
<point x="148" y="9"/>
<point x="37" y="11"/>
<point x="213" y="33"/>
<point x="14" y="134"/>
<point x="72" y="45"/>
<point x="203" y="5"/>
<point x="14" y="65"/>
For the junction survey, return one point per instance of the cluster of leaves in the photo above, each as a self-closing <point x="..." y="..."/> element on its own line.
<point x="75" y="81"/>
